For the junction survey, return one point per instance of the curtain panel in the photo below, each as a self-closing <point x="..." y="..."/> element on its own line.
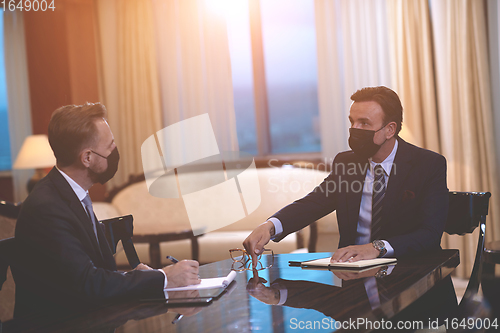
<point x="465" y="110"/>
<point x="194" y="66"/>
<point x="162" y="61"/>
<point x="128" y="78"/>
<point x="18" y="95"/>
<point x="353" y="52"/>
<point x="410" y="36"/>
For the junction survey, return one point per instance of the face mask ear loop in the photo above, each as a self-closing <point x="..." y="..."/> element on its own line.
<point x="381" y="127"/>
<point x="379" y="130"/>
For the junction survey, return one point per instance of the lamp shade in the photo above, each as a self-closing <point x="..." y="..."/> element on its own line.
<point x="35" y="153"/>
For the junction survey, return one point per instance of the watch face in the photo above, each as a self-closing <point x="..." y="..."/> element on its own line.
<point x="378" y="244"/>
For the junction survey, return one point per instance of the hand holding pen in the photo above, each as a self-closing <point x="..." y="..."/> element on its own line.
<point x="182" y="273"/>
<point x="172" y="259"/>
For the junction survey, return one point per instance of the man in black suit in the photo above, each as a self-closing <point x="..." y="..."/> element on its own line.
<point x="64" y="262"/>
<point x="391" y="197"/>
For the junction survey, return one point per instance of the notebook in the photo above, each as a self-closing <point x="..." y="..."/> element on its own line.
<point x="357" y="265"/>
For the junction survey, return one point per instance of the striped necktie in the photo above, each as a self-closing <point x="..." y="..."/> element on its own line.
<point x="377" y="200"/>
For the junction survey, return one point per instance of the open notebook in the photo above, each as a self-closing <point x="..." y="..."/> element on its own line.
<point x="219" y="282"/>
<point x="361" y="264"/>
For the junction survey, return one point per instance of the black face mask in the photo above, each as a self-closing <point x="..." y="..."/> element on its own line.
<point x="110" y="171"/>
<point x="361" y="142"/>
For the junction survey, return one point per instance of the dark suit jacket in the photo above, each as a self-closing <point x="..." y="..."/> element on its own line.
<point x="59" y="266"/>
<point x="415" y="206"/>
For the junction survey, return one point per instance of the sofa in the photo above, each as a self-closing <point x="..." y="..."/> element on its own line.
<point x="279" y="186"/>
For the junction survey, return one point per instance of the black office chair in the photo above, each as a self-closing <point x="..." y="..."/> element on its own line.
<point x="116" y="229"/>
<point x="6" y="250"/>
<point x="9" y="209"/>
<point x="468" y="211"/>
<point x="121" y="228"/>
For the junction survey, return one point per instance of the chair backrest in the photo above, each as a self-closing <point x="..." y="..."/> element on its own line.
<point x="6" y="251"/>
<point x="122" y="228"/>
<point x="467" y="210"/>
<point x="9" y="209"/>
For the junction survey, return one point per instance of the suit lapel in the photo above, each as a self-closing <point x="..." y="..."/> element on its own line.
<point x="399" y="172"/>
<point x="75" y="205"/>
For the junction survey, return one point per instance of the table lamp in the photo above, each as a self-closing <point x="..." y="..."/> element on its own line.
<point x="35" y="154"/>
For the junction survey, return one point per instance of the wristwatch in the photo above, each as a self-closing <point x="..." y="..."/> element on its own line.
<point x="380" y="246"/>
<point x="382" y="272"/>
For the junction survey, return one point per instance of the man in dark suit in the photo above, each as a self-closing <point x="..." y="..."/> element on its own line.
<point x="391" y="197"/>
<point x="64" y="262"/>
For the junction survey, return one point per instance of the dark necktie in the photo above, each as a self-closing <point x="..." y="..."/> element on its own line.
<point x="90" y="212"/>
<point x="377" y="200"/>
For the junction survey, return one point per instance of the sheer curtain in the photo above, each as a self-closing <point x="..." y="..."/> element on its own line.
<point x="465" y="109"/>
<point x="162" y="61"/>
<point x="129" y="84"/>
<point x="494" y="47"/>
<point x="353" y="52"/>
<point x="410" y="37"/>
<point x="18" y="95"/>
<point x="194" y="66"/>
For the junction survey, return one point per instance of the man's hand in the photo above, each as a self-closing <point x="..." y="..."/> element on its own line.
<point x="354" y="253"/>
<point x="142" y="267"/>
<point x="255" y="242"/>
<point x="257" y="289"/>
<point x="184" y="273"/>
<point x="185" y="294"/>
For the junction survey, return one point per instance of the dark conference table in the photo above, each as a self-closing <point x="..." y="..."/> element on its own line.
<point x="312" y="299"/>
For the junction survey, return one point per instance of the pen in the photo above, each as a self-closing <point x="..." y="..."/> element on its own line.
<point x="172" y="259"/>
<point x="177" y="318"/>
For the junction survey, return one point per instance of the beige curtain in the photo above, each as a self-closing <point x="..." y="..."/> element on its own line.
<point x="162" y="61"/>
<point x="413" y="72"/>
<point x="129" y="84"/>
<point x="194" y="66"/>
<point x="465" y="110"/>
<point x="18" y="95"/>
<point x="494" y="47"/>
<point x="352" y="46"/>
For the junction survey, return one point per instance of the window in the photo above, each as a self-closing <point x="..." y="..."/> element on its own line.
<point x="289" y="43"/>
<point x="273" y="56"/>
<point x="238" y="26"/>
<point x="5" y="159"/>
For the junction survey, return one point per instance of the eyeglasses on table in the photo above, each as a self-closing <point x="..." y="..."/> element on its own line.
<point x="242" y="261"/>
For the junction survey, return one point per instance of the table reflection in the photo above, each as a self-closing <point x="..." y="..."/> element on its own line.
<point x="334" y="294"/>
<point x="278" y="298"/>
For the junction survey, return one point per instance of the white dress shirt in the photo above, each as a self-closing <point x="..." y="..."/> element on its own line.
<point x="365" y="209"/>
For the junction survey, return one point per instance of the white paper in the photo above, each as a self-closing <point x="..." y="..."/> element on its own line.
<point x="219" y="282"/>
